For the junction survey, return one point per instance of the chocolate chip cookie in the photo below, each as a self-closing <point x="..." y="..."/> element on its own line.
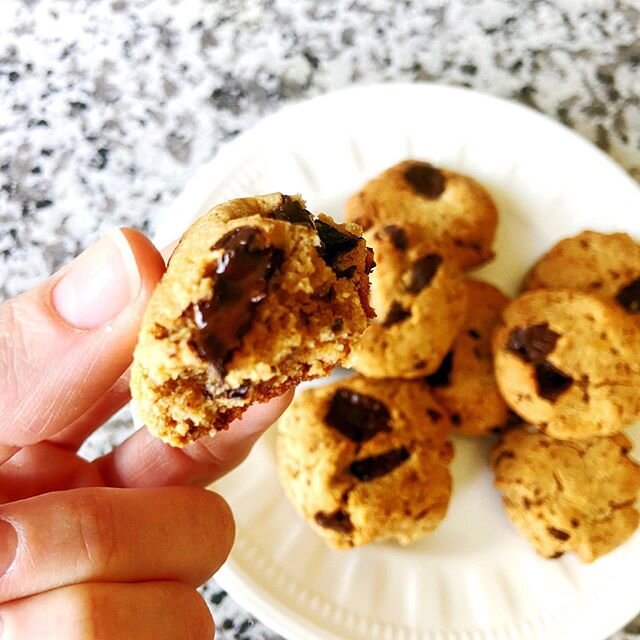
<point x="465" y="382"/>
<point x="420" y="301"/>
<point x="604" y="263"/>
<point x="366" y="460"/>
<point x="569" y="362"/>
<point x="453" y="210"/>
<point x="258" y="295"/>
<point x="568" y="496"/>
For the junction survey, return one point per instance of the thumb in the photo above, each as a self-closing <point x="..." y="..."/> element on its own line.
<point x="66" y="342"/>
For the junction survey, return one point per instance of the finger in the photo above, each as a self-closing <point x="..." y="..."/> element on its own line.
<point x="42" y="468"/>
<point x="144" y="461"/>
<point x="144" y="611"/>
<point x="111" y="402"/>
<point x="121" y="535"/>
<point x="6" y="453"/>
<point x="65" y="343"/>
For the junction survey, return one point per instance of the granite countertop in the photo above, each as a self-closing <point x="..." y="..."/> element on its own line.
<point x="107" y="107"/>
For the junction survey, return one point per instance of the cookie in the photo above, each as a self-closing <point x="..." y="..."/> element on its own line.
<point x="420" y="302"/>
<point x="568" y="496"/>
<point x="452" y="209"/>
<point x="257" y="296"/>
<point x="366" y="460"/>
<point x="569" y="362"/>
<point x="603" y="263"/>
<point x="465" y="382"/>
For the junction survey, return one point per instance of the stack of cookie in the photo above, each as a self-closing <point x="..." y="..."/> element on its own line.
<point x="366" y="459"/>
<point x="567" y="358"/>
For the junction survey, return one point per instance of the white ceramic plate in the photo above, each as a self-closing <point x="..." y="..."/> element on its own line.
<point x="474" y="578"/>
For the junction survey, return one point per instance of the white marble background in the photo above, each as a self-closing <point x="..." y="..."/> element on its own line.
<point x="108" y="106"/>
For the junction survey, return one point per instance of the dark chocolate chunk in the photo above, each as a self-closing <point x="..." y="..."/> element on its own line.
<point x="292" y="211"/>
<point x="397" y="313"/>
<point x="534" y="343"/>
<point x="436" y="416"/>
<point x="376" y="466"/>
<point x="423" y="271"/>
<point x="398" y="236"/>
<point x="629" y="296"/>
<point x="425" y="180"/>
<point x="239" y="392"/>
<point x="337" y="325"/>
<point x="441" y="377"/>
<point x="472" y="333"/>
<point x="552" y="382"/>
<point x="337" y="520"/>
<point x="559" y="534"/>
<point x="347" y="273"/>
<point x="335" y="242"/>
<point x="456" y="419"/>
<point x="241" y="277"/>
<point x="357" y="416"/>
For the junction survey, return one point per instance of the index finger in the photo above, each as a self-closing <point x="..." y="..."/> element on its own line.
<point x="145" y="461"/>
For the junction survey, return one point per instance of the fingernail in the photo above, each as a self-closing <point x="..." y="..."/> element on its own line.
<point x="99" y="284"/>
<point x="8" y="545"/>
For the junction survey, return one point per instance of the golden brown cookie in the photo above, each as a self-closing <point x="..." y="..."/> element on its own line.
<point x="465" y="382"/>
<point x="568" y="496"/>
<point x="366" y="460"/>
<point x="603" y="263"/>
<point x="569" y="363"/>
<point x="420" y="301"/>
<point x="453" y="210"/>
<point x="258" y="296"/>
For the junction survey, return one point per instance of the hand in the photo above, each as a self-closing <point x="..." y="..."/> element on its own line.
<point x="113" y="548"/>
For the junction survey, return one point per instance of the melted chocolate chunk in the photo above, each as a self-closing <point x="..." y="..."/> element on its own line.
<point x="441" y="377"/>
<point x="372" y="467"/>
<point x="241" y="278"/>
<point x="552" y="383"/>
<point x="534" y="343"/>
<point x="436" y="416"/>
<point x="472" y="333"/>
<point x="397" y="313"/>
<point x="337" y="520"/>
<point x="357" y="416"/>
<point x="292" y="211"/>
<point x="423" y="271"/>
<point x="335" y="242"/>
<point x="559" y="534"/>
<point x="398" y="236"/>
<point x="425" y="180"/>
<point x="629" y="296"/>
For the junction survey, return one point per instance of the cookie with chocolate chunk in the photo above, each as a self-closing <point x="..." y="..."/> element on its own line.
<point x="366" y="460"/>
<point x="453" y="210"/>
<point x="568" y="496"/>
<point x="604" y="263"/>
<point x="465" y="382"/>
<point x="569" y="363"/>
<point x="420" y="301"/>
<point x="258" y="295"/>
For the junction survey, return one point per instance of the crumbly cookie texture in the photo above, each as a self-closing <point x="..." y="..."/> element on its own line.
<point x="258" y="295"/>
<point x="603" y="263"/>
<point x="366" y="460"/>
<point x="454" y="210"/>
<point x="568" y="496"/>
<point x="465" y="382"/>
<point x="569" y="363"/>
<point x="420" y="301"/>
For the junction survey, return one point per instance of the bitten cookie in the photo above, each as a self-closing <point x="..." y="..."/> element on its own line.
<point x="420" y="301"/>
<point x="453" y="210"/>
<point x="604" y="263"/>
<point x="365" y="460"/>
<point x="465" y="383"/>
<point x="258" y="296"/>
<point x="569" y="363"/>
<point x="568" y="496"/>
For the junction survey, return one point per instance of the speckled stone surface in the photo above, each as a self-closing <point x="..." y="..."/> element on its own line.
<point x="108" y="106"/>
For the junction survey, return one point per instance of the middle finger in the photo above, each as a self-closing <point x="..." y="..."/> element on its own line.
<point x="103" y="534"/>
